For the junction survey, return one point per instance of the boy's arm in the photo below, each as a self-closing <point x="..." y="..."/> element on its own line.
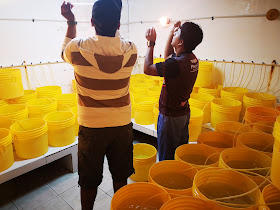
<point x="149" y="67"/>
<point x="168" y="47"/>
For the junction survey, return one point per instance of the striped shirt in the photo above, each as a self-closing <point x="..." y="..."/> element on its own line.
<point x="102" y="66"/>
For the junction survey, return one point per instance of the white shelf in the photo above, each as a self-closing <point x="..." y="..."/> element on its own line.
<point x="147" y="129"/>
<point x="22" y="166"/>
<point x="150" y="129"/>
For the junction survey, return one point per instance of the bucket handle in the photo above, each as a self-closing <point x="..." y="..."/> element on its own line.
<point x="210" y="156"/>
<point x="2" y="150"/>
<point x="268" y="146"/>
<point x="243" y="194"/>
<point x="14" y="140"/>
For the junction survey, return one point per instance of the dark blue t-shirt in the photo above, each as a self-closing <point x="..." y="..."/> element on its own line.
<point x="179" y="74"/>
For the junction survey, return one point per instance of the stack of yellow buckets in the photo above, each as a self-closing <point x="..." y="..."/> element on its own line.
<point x="30" y="120"/>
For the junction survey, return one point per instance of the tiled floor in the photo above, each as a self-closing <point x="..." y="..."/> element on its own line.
<point x="52" y="187"/>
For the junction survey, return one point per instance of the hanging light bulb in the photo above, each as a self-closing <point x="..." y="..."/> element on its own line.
<point x="164" y="21"/>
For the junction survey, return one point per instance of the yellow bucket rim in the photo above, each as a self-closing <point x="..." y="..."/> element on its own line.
<point x="61" y="123"/>
<point x="7" y="139"/>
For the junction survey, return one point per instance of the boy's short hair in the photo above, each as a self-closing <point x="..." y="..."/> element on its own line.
<point x="192" y="35"/>
<point x="106" y="15"/>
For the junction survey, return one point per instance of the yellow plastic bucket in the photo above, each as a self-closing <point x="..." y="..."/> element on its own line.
<point x="48" y="91"/>
<point x="64" y="108"/>
<point x="216" y="183"/>
<point x="157" y="81"/>
<point x="176" y="177"/>
<point x="158" y="60"/>
<point x="143" y="112"/>
<point x="140" y="88"/>
<point x="139" y="99"/>
<point x="275" y="169"/>
<point x="195" y="89"/>
<point x="233" y="128"/>
<point x="188" y="203"/>
<point x="255" y="114"/>
<point x="204" y="76"/>
<point x="75" y="111"/>
<point x="211" y="90"/>
<point x="144" y="156"/>
<point x="235" y="93"/>
<point x="14" y="111"/>
<point x="202" y="101"/>
<point x="132" y="105"/>
<point x="224" y="110"/>
<point x="256" y="141"/>
<point x="278" y="109"/>
<point x="258" y="99"/>
<point x="148" y="80"/>
<point x="69" y="99"/>
<point x="10" y="83"/>
<point x="74" y="87"/>
<point x="137" y="78"/>
<point x="154" y="91"/>
<point x="218" y="140"/>
<point x="276" y="130"/>
<point x="156" y="113"/>
<point x="2" y="103"/>
<point x="246" y="160"/>
<point x="141" y="195"/>
<point x="270" y="195"/>
<point x="263" y="127"/>
<point x="28" y="95"/>
<point x="6" y="149"/>
<point x="198" y="155"/>
<point x="6" y="122"/>
<point x="61" y="128"/>
<point x="39" y="107"/>
<point x="30" y="138"/>
<point x="195" y="124"/>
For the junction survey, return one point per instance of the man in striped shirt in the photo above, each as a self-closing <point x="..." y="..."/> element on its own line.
<point x="103" y="64"/>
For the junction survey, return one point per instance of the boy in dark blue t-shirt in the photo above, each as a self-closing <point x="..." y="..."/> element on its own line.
<point x="179" y="71"/>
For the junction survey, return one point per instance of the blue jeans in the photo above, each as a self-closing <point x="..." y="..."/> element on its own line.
<point x="172" y="132"/>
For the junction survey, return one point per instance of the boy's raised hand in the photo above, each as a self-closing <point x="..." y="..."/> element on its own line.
<point x="151" y="34"/>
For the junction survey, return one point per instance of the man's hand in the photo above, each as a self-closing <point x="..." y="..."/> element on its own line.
<point x="151" y="34"/>
<point x="175" y="27"/>
<point x="67" y="12"/>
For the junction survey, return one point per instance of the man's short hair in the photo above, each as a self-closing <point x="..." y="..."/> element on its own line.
<point x="192" y="35"/>
<point x="106" y="15"/>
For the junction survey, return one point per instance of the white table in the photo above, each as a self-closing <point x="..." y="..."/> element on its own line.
<point x="22" y="166"/>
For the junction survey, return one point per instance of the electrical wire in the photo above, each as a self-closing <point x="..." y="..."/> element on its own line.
<point x="224" y="72"/>
<point x="49" y="65"/>
<point x="264" y="76"/>
<point x="44" y="74"/>
<point x="247" y="75"/>
<point x="277" y="77"/>
<point x="229" y="75"/>
<point x="235" y="84"/>
<point x="251" y="76"/>
<point x="35" y="76"/>
<point x="233" y="75"/>
<point x="27" y="78"/>
<point x="239" y="85"/>
<point x="259" y="79"/>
